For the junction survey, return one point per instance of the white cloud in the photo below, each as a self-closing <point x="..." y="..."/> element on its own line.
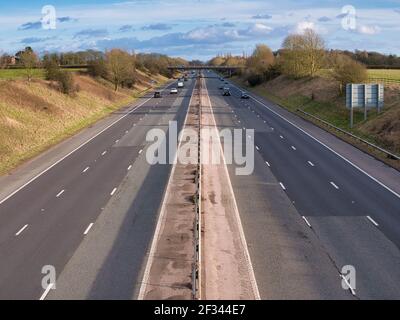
<point x="369" y="30"/>
<point x="303" y="26"/>
<point x="258" y="29"/>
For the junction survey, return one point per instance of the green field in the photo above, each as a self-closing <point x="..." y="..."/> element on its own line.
<point x="8" y="74"/>
<point x="387" y="74"/>
<point x="12" y="74"/>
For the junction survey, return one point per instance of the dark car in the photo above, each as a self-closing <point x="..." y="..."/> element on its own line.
<point x="227" y="92"/>
<point x="157" y="94"/>
<point x="221" y="87"/>
<point x="244" y="95"/>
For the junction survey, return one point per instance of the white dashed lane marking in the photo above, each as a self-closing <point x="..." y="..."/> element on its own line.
<point x="60" y="193"/>
<point x="21" y="230"/>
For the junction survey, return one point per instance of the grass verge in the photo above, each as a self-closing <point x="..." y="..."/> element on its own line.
<point x="27" y="129"/>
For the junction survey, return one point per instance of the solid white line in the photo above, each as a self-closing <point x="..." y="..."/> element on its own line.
<point x="21" y="230"/>
<point x="305" y="219"/>
<point x="267" y="163"/>
<point x="283" y="187"/>
<point x="327" y="147"/>
<point x="104" y="152"/>
<point x="60" y="193"/>
<point x="86" y="169"/>
<point x="88" y="229"/>
<point x="46" y="292"/>
<point x="114" y="190"/>
<point x="373" y="221"/>
<point x="334" y="185"/>
<point x="141" y="150"/>
<point x="348" y="284"/>
<point x="130" y="167"/>
<point x="77" y="148"/>
<point x="311" y="164"/>
<point x="293" y="147"/>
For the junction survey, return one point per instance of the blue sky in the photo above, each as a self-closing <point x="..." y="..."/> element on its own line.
<point x="195" y="29"/>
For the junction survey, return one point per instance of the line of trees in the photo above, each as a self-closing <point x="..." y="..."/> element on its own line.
<point x="302" y="55"/>
<point x="116" y="65"/>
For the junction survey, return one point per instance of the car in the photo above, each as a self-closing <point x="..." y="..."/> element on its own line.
<point x="186" y="79"/>
<point x="221" y="87"/>
<point x="157" y="94"/>
<point x="226" y="92"/>
<point x="244" y="95"/>
<point x="180" y="84"/>
<point x="173" y="91"/>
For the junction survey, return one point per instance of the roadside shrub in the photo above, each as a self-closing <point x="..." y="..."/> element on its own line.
<point x="273" y="72"/>
<point x="97" y="68"/>
<point x="129" y="83"/>
<point x="51" y="70"/>
<point x="65" y="82"/>
<point x="254" y="79"/>
<point x="346" y="70"/>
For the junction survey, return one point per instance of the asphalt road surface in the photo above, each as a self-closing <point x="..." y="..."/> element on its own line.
<point x="45" y="222"/>
<point x="306" y="211"/>
<point x="298" y="183"/>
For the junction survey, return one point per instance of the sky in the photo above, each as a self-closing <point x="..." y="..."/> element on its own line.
<point x="196" y="29"/>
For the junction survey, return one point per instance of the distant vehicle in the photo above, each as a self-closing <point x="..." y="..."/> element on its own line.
<point x="186" y="79"/>
<point x="226" y="92"/>
<point x="157" y="94"/>
<point x="244" y="95"/>
<point x="174" y="91"/>
<point x="221" y="87"/>
<point x="180" y="84"/>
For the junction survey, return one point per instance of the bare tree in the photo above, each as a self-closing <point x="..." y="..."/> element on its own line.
<point x="29" y="60"/>
<point x="120" y="66"/>
<point x="303" y="55"/>
<point x="261" y="59"/>
<point x="314" y="51"/>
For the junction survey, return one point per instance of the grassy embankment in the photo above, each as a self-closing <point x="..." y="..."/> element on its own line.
<point x="34" y="115"/>
<point x="382" y="129"/>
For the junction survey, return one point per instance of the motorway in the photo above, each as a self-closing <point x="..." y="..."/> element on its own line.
<point x="307" y="212"/>
<point x="46" y="220"/>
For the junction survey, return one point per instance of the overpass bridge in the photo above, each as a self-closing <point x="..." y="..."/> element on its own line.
<point x="229" y="69"/>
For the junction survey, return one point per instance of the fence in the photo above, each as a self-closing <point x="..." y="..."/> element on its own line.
<point x="388" y="153"/>
<point x="384" y="80"/>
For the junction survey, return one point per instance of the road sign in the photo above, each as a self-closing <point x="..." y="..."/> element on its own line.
<point x="366" y="96"/>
